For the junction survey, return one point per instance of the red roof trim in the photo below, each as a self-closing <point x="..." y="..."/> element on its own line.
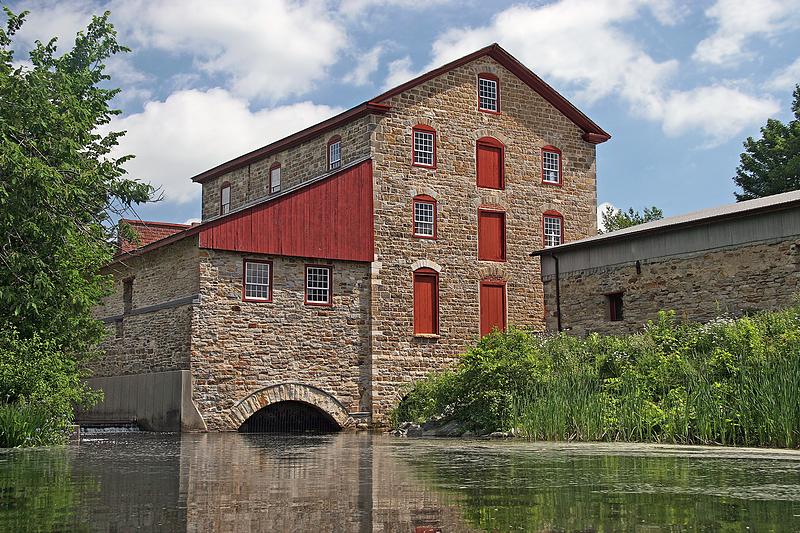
<point x="593" y="133"/>
<point x="292" y="140"/>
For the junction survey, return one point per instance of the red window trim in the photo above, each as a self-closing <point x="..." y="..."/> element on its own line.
<point x="427" y="129"/>
<point x="425" y="271"/>
<point x="493" y="281"/>
<point x="491" y="209"/>
<point x="553" y="149"/>
<point x="222" y="188"/>
<point x="329" y="303"/>
<point x="334" y="139"/>
<point x="424" y="198"/>
<point x="488" y="76"/>
<point x="245" y="260"/>
<point x="272" y="167"/>
<point x="552" y="214"/>
<point x="494" y="143"/>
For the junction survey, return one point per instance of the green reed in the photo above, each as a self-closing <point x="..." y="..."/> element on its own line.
<point x="728" y="382"/>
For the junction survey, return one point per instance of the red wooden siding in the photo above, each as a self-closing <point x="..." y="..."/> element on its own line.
<point x="490" y="164"/>
<point x="330" y="219"/>
<point x="426" y="302"/>
<point x="491" y="235"/>
<point x="493" y="306"/>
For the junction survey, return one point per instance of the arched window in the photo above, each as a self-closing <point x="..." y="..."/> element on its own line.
<point x="225" y="198"/>
<point x="552" y="229"/>
<point x="423" y="150"/>
<point x="551" y="165"/>
<point x="426" y="302"/>
<point x="424" y="208"/>
<point x="275" y="178"/>
<point x="334" y="152"/>
<point x="489" y="159"/>
<point x="488" y="93"/>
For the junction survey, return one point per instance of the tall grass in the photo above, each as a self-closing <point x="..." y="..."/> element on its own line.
<point x="23" y="424"/>
<point x="729" y="382"/>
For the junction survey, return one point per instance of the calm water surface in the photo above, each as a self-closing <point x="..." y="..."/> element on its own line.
<point x="360" y="483"/>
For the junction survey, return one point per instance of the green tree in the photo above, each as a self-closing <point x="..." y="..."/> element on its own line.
<point x="614" y="219"/>
<point x="771" y="164"/>
<point x="60" y="192"/>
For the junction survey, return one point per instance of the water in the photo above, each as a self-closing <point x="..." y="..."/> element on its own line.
<point x="359" y="483"/>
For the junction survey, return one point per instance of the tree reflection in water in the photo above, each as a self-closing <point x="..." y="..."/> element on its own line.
<point x="357" y="482"/>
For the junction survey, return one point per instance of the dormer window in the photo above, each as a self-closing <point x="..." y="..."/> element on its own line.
<point x="488" y="93"/>
<point x="225" y="199"/>
<point x="424" y="148"/>
<point x="334" y="153"/>
<point x="275" y="178"/>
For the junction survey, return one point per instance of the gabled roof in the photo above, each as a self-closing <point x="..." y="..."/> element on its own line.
<point x="148" y="232"/>
<point x="592" y="132"/>
<point x="775" y="202"/>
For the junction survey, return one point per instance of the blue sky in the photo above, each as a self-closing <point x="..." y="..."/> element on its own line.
<point x="678" y="84"/>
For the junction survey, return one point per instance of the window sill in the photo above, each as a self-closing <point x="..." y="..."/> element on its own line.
<point x="427" y="336"/>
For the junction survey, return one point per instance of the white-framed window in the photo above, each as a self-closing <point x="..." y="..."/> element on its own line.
<point x="334" y="155"/>
<point x="487" y="94"/>
<point x="318" y="285"/>
<point x="424" y="218"/>
<point x="275" y="179"/>
<point x="553" y="230"/>
<point x="258" y="281"/>
<point x="225" y="200"/>
<point x="424" y="142"/>
<point x="551" y="166"/>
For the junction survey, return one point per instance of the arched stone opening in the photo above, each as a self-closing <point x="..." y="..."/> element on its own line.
<point x="298" y="399"/>
<point x="290" y="417"/>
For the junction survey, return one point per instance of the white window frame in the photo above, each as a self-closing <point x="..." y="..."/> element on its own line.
<point x="485" y="95"/>
<point x="335" y="148"/>
<point x="258" y="277"/>
<point x="552" y="239"/>
<point x="426" y="139"/>
<point x="551" y="166"/>
<point x="318" y="283"/>
<point x="421" y="221"/>
<point x="275" y="185"/>
<point x="225" y="206"/>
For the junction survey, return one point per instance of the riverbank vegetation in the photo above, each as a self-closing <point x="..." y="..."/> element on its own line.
<point x="729" y="382"/>
<point x="61" y="191"/>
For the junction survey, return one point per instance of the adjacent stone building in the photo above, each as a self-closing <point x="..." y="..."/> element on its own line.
<point x="727" y="260"/>
<point x="337" y="265"/>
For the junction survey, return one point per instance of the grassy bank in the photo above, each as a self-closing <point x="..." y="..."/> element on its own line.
<point x="731" y="382"/>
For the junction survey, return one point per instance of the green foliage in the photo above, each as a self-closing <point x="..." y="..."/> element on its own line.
<point x="727" y="382"/>
<point x="614" y="219"/>
<point x="60" y="190"/>
<point x="771" y="164"/>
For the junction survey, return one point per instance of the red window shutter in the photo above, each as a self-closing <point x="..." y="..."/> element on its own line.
<point x="493" y="306"/>
<point x="490" y="166"/>
<point x="426" y="302"/>
<point x="491" y="235"/>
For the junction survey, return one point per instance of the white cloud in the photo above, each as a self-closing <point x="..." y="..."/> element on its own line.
<point x="605" y="61"/>
<point x="600" y="210"/>
<point x="192" y="131"/>
<point x="400" y="71"/>
<point x="786" y="78"/>
<point x="737" y="22"/>
<point x="52" y="18"/>
<point x="352" y="8"/>
<point x="265" y="49"/>
<point x="192" y="220"/>
<point x="366" y="65"/>
<point x="720" y="112"/>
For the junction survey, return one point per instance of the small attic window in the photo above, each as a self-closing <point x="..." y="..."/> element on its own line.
<point x="225" y="199"/>
<point x="488" y="93"/>
<point x="334" y="153"/>
<point x="275" y="178"/>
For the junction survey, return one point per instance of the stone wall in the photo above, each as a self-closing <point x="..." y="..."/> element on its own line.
<point x="241" y="347"/>
<point x="526" y="123"/>
<point x="298" y="164"/>
<point x="698" y="286"/>
<point x="154" y="336"/>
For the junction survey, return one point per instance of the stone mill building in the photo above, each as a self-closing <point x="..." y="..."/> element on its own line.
<point x="337" y="265"/>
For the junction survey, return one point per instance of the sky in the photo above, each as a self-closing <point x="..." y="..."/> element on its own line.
<point x="678" y="84"/>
